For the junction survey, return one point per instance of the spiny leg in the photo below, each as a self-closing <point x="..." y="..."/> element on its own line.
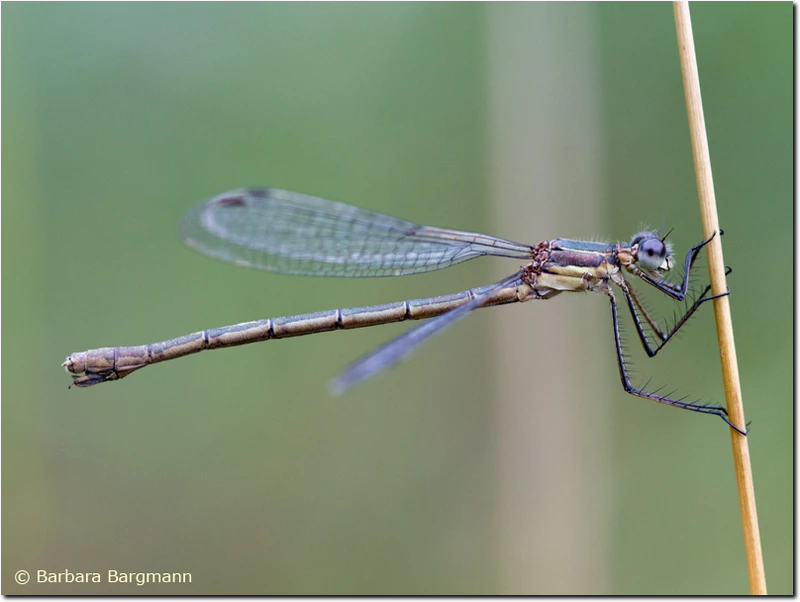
<point x="629" y="388"/>
<point x="636" y="307"/>
<point x="641" y="310"/>
<point x="675" y="291"/>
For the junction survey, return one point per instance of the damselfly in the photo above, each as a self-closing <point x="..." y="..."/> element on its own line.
<point x="292" y="233"/>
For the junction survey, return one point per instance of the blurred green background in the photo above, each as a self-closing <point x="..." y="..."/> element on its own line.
<point x="474" y="467"/>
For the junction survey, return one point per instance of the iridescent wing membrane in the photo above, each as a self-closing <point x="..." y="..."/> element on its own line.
<point x="292" y="233"/>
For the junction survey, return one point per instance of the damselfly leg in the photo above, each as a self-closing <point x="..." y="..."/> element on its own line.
<point x="693" y="406"/>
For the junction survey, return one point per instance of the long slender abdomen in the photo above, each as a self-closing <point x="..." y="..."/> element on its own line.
<point x="95" y="366"/>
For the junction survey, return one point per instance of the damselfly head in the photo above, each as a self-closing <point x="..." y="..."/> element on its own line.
<point x="651" y="252"/>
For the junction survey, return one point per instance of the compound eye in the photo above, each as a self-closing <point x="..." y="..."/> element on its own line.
<point x="651" y="254"/>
